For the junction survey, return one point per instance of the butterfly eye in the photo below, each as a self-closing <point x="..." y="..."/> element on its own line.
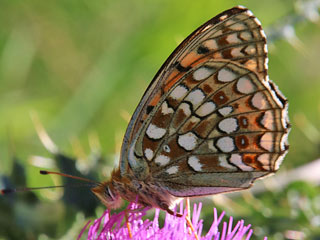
<point x="109" y="194"/>
<point x="166" y="148"/>
<point x="109" y="197"/>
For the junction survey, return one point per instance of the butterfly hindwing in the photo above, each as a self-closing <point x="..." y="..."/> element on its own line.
<point x="224" y="133"/>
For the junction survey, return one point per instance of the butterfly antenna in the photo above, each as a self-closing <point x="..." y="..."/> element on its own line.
<point x="43" y="172"/>
<point x="26" y="189"/>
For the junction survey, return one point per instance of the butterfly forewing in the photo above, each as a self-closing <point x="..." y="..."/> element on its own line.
<point x="234" y="34"/>
<point x="210" y="121"/>
<point x="237" y="37"/>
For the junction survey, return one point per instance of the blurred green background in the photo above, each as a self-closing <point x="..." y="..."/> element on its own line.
<point x="80" y="67"/>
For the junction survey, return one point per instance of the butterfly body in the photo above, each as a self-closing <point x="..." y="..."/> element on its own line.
<point x="148" y="193"/>
<point x="210" y="121"/>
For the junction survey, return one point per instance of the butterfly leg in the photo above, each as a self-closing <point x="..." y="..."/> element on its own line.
<point x="127" y="223"/>
<point x="189" y="223"/>
<point x="132" y="211"/>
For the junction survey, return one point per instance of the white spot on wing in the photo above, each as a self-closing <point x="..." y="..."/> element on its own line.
<point x="237" y="26"/>
<point x="236" y="52"/>
<point x="211" y="146"/>
<point x="179" y="92"/>
<point x="195" y="163"/>
<point x="148" y="153"/>
<point x="225" y="110"/>
<point x="172" y="170"/>
<point x="188" y="141"/>
<point x="166" y="148"/>
<point x="266" y="141"/>
<point x="206" y="109"/>
<point x="165" y="109"/>
<point x="233" y="38"/>
<point x="265" y="48"/>
<point x="224" y="163"/>
<point x="202" y="73"/>
<point x="195" y="97"/>
<point x="206" y="28"/>
<point x="236" y="159"/>
<point x="250" y="50"/>
<point x="245" y="85"/>
<point x="246" y="35"/>
<point x="223" y="17"/>
<point x="249" y="13"/>
<point x="185" y="108"/>
<point x="225" y="144"/>
<point x="210" y="44"/>
<point x="268" y="120"/>
<point x="266" y="63"/>
<point x="259" y="101"/>
<point x="226" y="75"/>
<point x="155" y="132"/>
<point x="264" y="159"/>
<point x="162" y="160"/>
<point x="228" y="125"/>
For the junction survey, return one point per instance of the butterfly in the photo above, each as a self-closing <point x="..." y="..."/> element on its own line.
<point x="210" y="122"/>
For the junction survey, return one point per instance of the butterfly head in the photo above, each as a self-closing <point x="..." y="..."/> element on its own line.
<point x="108" y="195"/>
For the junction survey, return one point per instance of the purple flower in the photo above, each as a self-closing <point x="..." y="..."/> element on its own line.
<point x="114" y="226"/>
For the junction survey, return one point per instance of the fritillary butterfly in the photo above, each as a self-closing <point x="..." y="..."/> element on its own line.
<point x="210" y="121"/>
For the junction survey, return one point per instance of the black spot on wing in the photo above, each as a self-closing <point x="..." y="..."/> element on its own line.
<point x="181" y="68"/>
<point x="149" y="109"/>
<point x="202" y="50"/>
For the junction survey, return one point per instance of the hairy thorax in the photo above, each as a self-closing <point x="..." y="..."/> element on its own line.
<point x="147" y="192"/>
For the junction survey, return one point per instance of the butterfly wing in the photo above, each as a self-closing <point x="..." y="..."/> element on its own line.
<point x="210" y="121"/>
<point x="228" y="129"/>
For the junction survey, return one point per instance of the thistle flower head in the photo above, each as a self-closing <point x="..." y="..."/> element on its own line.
<point x="111" y="226"/>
